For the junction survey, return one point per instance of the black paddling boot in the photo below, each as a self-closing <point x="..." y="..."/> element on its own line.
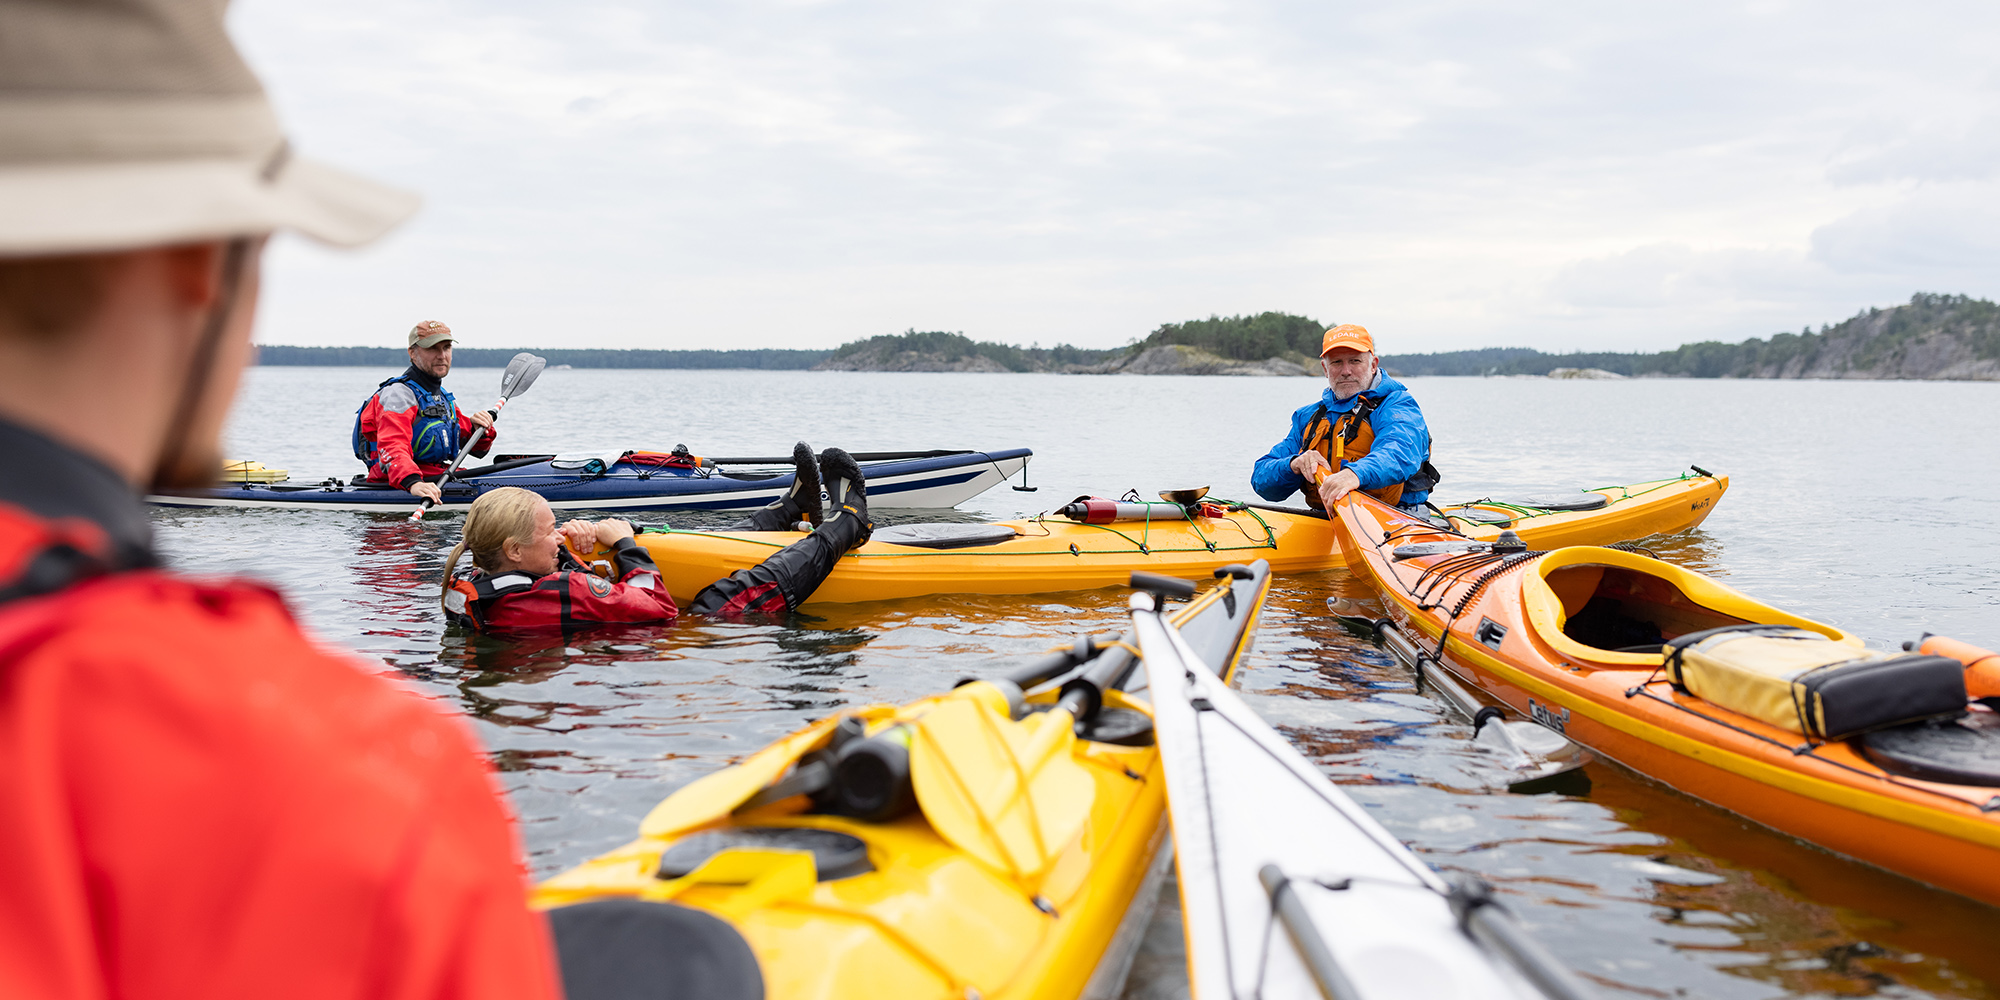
<point x="844" y="489"/>
<point x="801" y="503"/>
<point x="786" y="579"/>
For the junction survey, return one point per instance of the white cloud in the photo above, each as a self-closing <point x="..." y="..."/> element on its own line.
<point x="1946" y="233"/>
<point x="1454" y="174"/>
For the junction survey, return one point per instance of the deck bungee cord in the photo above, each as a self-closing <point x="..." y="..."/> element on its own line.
<point x="1811" y="748"/>
<point x="1141" y="544"/>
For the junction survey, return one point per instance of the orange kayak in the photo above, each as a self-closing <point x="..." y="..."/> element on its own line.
<point x="1048" y="554"/>
<point x="1589" y="641"/>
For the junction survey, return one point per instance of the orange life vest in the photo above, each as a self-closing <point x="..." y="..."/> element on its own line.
<point x="1348" y="436"/>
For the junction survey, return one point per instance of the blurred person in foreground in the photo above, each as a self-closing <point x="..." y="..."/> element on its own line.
<point x="199" y="801"/>
<point x="1365" y="433"/>
<point x="409" y="431"/>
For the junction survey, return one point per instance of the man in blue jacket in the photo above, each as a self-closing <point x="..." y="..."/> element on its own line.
<point x="1366" y="433"/>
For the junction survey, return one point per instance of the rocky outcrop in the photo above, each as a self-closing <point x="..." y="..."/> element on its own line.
<point x="1583" y="373"/>
<point x="1171" y="359"/>
<point x="1181" y="359"/>
<point x="1934" y="337"/>
<point x="909" y="361"/>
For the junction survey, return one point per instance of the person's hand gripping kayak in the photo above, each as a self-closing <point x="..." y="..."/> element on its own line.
<point x="520" y="374"/>
<point x="1311" y="465"/>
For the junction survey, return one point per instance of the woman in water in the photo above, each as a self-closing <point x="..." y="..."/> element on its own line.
<point x="521" y="576"/>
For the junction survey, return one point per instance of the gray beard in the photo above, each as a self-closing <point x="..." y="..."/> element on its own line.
<point x="1373" y="381"/>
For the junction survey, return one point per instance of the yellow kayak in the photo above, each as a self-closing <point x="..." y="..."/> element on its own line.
<point x="979" y="843"/>
<point x="1045" y="554"/>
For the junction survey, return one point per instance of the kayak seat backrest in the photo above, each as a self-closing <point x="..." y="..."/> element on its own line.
<point x="1803" y="682"/>
<point x="1616" y="608"/>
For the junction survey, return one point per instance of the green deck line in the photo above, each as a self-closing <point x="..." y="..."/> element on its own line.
<point x="1138" y="545"/>
<point x="1624" y="490"/>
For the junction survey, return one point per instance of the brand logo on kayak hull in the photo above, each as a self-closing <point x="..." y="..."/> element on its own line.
<point x="1551" y="716"/>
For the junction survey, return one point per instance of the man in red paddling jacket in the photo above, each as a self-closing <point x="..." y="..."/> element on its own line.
<point x="409" y="432"/>
<point x="201" y="801"/>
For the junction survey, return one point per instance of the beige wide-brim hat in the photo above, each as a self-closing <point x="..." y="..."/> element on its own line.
<point x="133" y="123"/>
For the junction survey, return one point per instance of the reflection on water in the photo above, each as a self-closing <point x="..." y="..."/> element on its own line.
<point x="1648" y="892"/>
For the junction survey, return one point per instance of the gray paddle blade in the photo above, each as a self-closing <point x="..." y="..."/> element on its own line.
<point x="520" y="374"/>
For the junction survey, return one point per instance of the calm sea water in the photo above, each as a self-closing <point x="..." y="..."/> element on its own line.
<point x="1871" y="505"/>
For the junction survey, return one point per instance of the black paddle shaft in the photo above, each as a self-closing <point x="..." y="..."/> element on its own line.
<point x="1083" y="694"/>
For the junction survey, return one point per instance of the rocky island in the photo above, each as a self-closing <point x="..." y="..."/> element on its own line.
<point x="1266" y="344"/>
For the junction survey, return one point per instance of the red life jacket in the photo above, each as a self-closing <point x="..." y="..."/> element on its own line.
<point x="567" y="598"/>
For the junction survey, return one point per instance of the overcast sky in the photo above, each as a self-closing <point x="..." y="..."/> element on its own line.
<point x="1451" y="175"/>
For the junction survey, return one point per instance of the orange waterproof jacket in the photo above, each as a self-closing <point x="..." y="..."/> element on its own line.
<point x="200" y="802"/>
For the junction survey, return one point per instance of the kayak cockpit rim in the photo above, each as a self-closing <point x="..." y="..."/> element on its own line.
<point x="1566" y="581"/>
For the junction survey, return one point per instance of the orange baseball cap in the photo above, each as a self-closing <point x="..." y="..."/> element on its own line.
<point x="1347" y="335"/>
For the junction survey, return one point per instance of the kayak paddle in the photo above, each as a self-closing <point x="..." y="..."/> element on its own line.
<point x="520" y="374"/>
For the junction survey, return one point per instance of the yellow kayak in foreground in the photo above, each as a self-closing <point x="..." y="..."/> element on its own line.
<point x="1046" y="554"/>
<point x="980" y="843"/>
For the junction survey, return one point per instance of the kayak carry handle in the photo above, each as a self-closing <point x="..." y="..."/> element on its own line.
<point x="1235" y="571"/>
<point x="1486" y="921"/>
<point x="1163" y="587"/>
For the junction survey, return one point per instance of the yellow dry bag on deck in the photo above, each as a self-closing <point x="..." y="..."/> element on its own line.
<point x="1803" y="682"/>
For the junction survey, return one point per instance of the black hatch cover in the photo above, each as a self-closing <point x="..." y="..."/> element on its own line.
<point x="835" y="854"/>
<point x="944" y="535"/>
<point x="1963" y="751"/>
<point x="1562" y="501"/>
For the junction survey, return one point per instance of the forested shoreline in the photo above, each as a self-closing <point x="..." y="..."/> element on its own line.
<point x="1933" y="336"/>
<point x="497" y="357"/>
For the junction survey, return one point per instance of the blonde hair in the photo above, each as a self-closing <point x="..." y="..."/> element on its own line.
<point x="497" y="517"/>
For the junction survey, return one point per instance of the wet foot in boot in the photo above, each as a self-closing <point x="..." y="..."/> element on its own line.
<point x="845" y="489"/>
<point x="802" y="503"/>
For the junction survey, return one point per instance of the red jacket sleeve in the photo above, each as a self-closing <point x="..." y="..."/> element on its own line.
<point x="202" y="803"/>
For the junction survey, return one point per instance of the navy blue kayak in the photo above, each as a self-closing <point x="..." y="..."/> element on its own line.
<point x="641" y="481"/>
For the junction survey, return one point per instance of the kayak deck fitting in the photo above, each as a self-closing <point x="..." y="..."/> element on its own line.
<point x="977" y="843"/>
<point x="1577" y="639"/>
<point x="1045" y="554"/>
<point x="634" y="481"/>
